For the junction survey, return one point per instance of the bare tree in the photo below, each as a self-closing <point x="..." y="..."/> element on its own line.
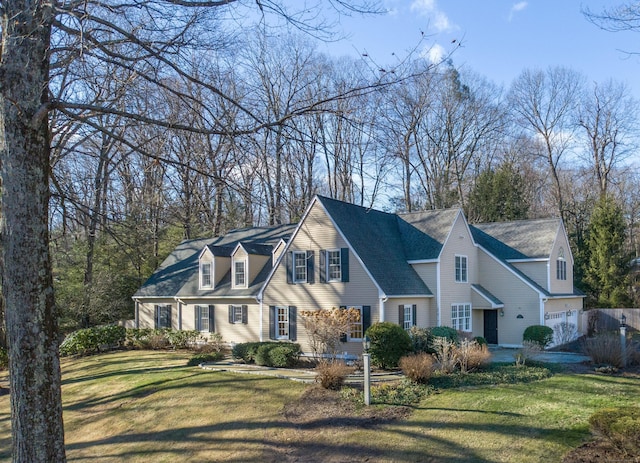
<point x="544" y="104"/>
<point x="609" y="117"/>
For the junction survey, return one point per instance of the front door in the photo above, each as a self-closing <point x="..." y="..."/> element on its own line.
<point x="491" y="326"/>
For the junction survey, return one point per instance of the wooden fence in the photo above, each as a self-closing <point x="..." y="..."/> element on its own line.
<point x="603" y="320"/>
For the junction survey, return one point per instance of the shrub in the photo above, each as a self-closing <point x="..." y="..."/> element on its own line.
<point x="213" y="345"/>
<point x="181" y="339"/>
<point x="273" y="354"/>
<point x="480" y="340"/>
<point x="445" y="354"/>
<point x="444" y="332"/>
<point x="331" y="374"/>
<point x="158" y="340"/>
<point x="244" y="351"/>
<point x="138" y="338"/>
<point x="620" y="426"/>
<point x="604" y="349"/>
<point x="204" y="358"/>
<point x="4" y="358"/>
<point x="417" y="367"/>
<point x="540" y="334"/>
<point x="529" y="349"/>
<point x="404" y="393"/>
<point x="389" y="342"/>
<point x="420" y="339"/>
<point x="90" y="340"/>
<point x="471" y="356"/>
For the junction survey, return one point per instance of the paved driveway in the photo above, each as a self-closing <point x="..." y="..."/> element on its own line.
<point x="502" y="354"/>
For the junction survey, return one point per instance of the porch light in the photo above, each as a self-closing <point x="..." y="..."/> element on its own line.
<point x="502" y="312"/>
<point x="366" y="344"/>
<point x="623" y="320"/>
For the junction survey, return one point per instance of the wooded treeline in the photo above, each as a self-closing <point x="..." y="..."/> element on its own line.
<point x="414" y="136"/>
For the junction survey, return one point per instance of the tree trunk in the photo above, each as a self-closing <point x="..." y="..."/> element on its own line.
<point x="32" y="330"/>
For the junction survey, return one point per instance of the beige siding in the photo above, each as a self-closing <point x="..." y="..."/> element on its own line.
<point x="459" y="243"/>
<point x="230" y="332"/>
<point x="561" y="286"/>
<point x="256" y="263"/>
<point x="538" y="271"/>
<point x="518" y="298"/>
<point x="316" y="233"/>
<point x="147" y="311"/>
<point x="423" y="305"/>
<point x="221" y="267"/>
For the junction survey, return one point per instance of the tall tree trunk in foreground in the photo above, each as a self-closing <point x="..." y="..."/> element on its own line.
<point x="36" y="409"/>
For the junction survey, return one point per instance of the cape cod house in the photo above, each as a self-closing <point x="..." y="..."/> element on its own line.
<point x="421" y="269"/>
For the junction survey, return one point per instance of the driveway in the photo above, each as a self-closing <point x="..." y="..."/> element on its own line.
<point x="503" y="354"/>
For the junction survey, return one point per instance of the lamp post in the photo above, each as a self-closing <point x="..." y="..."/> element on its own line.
<point x="623" y="340"/>
<point x="366" y="361"/>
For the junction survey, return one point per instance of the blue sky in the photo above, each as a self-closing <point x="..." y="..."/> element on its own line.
<point x="499" y="38"/>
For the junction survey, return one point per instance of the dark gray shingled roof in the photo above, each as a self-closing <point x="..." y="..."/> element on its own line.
<point x="521" y="239"/>
<point x="178" y="274"/>
<point x="376" y="237"/>
<point x="425" y="232"/>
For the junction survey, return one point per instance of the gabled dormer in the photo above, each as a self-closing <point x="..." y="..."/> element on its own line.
<point x="214" y="263"/>
<point x="247" y="260"/>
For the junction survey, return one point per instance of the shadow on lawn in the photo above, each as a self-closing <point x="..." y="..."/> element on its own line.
<point x="312" y="441"/>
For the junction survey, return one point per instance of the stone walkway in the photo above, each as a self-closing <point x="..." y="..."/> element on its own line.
<point x="309" y="376"/>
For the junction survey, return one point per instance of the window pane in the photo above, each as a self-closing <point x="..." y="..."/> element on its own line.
<point x="356" y="327"/>
<point x="300" y="267"/>
<point x="240" y="279"/>
<point x="237" y="314"/>
<point x="204" y="318"/>
<point x="282" y="327"/>
<point x="333" y="259"/>
<point x="205" y="273"/>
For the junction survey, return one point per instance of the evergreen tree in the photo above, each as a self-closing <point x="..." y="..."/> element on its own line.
<point x="607" y="271"/>
<point x="498" y="196"/>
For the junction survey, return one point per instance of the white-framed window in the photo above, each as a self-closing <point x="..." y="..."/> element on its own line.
<point x="408" y="317"/>
<point x="334" y="265"/>
<point x="461" y="269"/>
<point x="204" y="316"/>
<point x="356" y="331"/>
<point x="282" y="322"/>
<point x="163" y="317"/>
<point x="461" y="317"/>
<point x="299" y="266"/>
<point x="239" y="274"/>
<point x="237" y="314"/>
<point x="206" y="280"/>
<point x="561" y="266"/>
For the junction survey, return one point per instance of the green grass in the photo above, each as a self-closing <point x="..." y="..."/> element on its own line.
<point x="148" y="406"/>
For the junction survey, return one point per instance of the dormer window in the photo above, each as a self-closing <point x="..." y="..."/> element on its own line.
<point x="239" y="274"/>
<point x="561" y="266"/>
<point x="206" y="280"/>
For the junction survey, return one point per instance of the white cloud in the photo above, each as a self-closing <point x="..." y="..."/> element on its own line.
<point x="516" y="7"/>
<point x="429" y="8"/>
<point x="435" y="53"/>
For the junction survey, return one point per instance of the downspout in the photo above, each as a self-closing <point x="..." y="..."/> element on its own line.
<point x="438" y="289"/>
<point x="136" y="314"/>
<point x="180" y="304"/>
<point x="260" y="311"/>
<point x="383" y="298"/>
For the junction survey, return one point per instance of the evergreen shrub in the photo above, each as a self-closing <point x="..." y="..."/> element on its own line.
<point x="389" y="342"/>
<point x="620" y="426"/>
<point x="540" y="334"/>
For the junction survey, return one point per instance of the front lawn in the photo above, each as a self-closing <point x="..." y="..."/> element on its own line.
<point x="149" y="406"/>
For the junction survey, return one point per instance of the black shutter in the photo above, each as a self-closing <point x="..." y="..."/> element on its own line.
<point x="323" y="266"/>
<point x="343" y="336"/>
<point x="212" y="327"/>
<point x="245" y="315"/>
<point x="197" y="315"/>
<point x="293" y="325"/>
<point x="344" y="263"/>
<point x="272" y="322"/>
<point x="401" y="315"/>
<point x="289" y="265"/>
<point x="414" y="315"/>
<point x="311" y="278"/>
<point x="366" y="318"/>
<point x="156" y="318"/>
<point x="230" y="314"/>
